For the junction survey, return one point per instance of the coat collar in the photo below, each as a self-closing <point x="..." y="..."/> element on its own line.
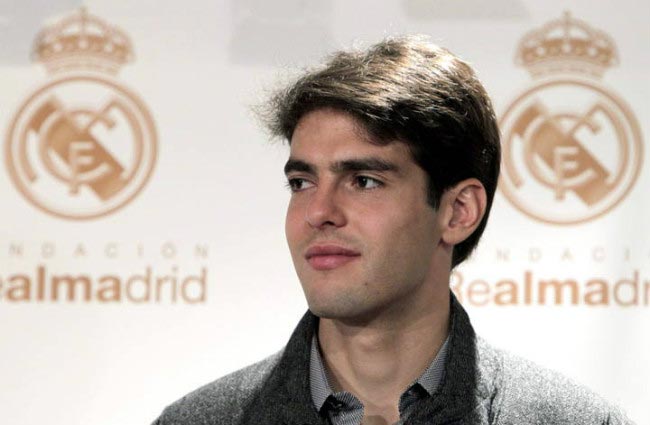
<point x="285" y="396"/>
<point x="463" y="395"/>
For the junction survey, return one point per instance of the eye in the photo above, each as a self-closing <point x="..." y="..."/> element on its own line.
<point x="296" y="184"/>
<point x="365" y="182"/>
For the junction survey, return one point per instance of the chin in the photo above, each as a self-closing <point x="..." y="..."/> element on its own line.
<point x="323" y="310"/>
<point x="326" y="310"/>
<point x="341" y="310"/>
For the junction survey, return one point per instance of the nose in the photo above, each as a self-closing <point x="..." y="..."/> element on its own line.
<point x="324" y="208"/>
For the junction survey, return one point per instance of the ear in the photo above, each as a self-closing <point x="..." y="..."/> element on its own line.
<point x="462" y="208"/>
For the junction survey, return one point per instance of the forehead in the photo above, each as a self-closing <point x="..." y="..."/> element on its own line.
<point x="333" y="135"/>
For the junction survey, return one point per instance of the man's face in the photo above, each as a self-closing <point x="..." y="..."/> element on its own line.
<point x="361" y="233"/>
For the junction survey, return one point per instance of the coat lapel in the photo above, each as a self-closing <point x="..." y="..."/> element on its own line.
<point x="285" y="396"/>
<point x="463" y="397"/>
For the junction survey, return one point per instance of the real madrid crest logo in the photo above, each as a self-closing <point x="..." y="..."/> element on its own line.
<point x="572" y="149"/>
<point x="82" y="145"/>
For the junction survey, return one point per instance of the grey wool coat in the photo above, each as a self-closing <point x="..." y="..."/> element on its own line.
<point x="481" y="385"/>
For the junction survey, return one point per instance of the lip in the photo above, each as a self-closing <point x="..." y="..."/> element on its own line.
<point x="328" y="257"/>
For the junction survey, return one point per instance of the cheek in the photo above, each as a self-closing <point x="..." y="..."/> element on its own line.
<point x="294" y="222"/>
<point x="403" y="234"/>
<point x="385" y="236"/>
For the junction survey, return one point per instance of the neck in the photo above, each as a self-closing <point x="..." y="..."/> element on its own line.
<point x="378" y="359"/>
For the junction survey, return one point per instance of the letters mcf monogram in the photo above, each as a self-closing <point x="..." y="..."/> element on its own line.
<point x="572" y="149"/>
<point x="82" y="145"/>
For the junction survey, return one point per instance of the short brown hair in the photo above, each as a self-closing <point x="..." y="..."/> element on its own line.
<point x="409" y="90"/>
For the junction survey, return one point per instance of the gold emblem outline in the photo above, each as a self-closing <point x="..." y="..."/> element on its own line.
<point x="635" y="133"/>
<point x="147" y="121"/>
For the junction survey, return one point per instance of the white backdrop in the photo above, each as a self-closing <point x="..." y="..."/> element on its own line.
<point x="213" y="209"/>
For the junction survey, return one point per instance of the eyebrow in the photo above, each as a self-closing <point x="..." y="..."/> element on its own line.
<point x="339" y="167"/>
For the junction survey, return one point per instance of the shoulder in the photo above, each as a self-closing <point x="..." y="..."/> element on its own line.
<point x="526" y="393"/>
<point x="222" y="401"/>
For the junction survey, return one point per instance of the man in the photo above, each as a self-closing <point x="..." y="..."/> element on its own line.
<point x="393" y="165"/>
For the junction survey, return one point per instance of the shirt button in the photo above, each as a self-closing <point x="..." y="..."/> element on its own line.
<point x="335" y="404"/>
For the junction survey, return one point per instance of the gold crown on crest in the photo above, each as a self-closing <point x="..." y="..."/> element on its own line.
<point x="566" y="45"/>
<point x="82" y="41"/>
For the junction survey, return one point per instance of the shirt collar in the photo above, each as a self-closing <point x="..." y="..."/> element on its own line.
<point x="321" y="389"/>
